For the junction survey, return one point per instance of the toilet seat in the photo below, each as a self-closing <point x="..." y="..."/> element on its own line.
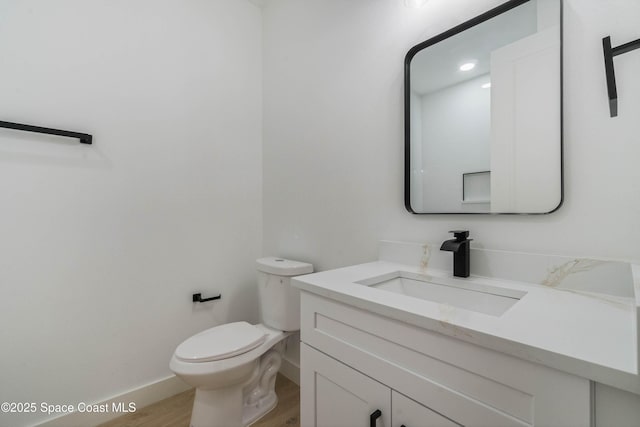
<point x="221" y="342"/>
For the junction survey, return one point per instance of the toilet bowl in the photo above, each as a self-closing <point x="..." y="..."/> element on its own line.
<point x="233" y="366"/>
<point x="227" y="379"/>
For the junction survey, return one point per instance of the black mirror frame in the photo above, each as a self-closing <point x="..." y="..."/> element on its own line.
<point x="492" y="13"/>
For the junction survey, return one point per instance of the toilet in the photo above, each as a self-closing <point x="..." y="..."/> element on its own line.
<point x="233" y="366"/>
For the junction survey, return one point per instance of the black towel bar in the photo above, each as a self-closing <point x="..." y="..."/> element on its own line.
<point x="84" y="138"/>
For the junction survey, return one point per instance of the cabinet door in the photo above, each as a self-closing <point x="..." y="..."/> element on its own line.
<point x="335" y="395"/>
<point x="409" y="413"/>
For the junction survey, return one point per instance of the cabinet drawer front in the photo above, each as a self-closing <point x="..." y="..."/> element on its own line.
<point x="479" y="386"/>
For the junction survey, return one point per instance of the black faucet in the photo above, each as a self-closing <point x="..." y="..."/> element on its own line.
<point x="460" y="248"/>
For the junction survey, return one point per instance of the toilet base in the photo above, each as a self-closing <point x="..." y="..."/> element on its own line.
<point x="252" y="414"/>
<point x="243" y="404"/>
<point x="221" y="407"/>
<point x="259" y="394"/>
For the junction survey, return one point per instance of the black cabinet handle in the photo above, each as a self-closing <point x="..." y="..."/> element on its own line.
<point x="374" y="416"/>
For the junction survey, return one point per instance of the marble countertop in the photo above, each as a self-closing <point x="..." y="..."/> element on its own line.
<point x="585" y="333"/>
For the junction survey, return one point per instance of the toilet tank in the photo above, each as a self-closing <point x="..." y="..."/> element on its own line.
<point x="279" y="301"/>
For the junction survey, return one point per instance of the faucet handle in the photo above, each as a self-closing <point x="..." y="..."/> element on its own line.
<point x="460" y="235"/>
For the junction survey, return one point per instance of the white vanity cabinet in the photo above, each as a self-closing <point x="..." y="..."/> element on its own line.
<point x="354" y="362"/>
<point x="339" y="395"/>
<point x="406" y="412"/>
<point x="345" y="397"/>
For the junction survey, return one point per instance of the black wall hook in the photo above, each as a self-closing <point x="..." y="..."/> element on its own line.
<point x="609" y="53"/>
<point x="198" y="298"/>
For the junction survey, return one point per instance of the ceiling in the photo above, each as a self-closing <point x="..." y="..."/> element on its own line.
<point x="438" y="66"/>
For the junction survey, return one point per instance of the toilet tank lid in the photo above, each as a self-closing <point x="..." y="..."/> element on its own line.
<point x="283" y="267"/>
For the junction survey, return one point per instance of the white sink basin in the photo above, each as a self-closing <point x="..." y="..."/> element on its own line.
<point x="465" y="294"/>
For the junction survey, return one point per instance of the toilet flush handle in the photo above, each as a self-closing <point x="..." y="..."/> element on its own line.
<point x="198" y="298"/>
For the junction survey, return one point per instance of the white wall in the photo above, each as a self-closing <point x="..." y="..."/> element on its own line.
<point x="456" y="129"/>
<point x="101" y="246"/>
<point x="333" y="134"/>
<point x="417" y="169"/>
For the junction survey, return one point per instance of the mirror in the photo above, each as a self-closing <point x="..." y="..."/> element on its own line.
<point x="483" y="114"/>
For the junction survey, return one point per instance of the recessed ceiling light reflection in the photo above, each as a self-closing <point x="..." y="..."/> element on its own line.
<point x="486" y="85"/>
<point x="415" y="4"/>
<point x="467" y="66"/>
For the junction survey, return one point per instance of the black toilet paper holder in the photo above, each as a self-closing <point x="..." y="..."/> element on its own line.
<point x="198" y="298"/>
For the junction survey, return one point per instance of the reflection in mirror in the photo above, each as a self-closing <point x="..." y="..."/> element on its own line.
<point x="483" y="114"/>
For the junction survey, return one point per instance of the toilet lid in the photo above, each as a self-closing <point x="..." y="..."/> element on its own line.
<point x="221" y="342"/>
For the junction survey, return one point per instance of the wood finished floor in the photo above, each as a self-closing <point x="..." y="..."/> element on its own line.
<point x="175" y="411"/>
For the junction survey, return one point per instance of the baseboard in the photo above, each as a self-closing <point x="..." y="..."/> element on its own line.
<point x="290" y="370"/>
<point x="143" y="396"/>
